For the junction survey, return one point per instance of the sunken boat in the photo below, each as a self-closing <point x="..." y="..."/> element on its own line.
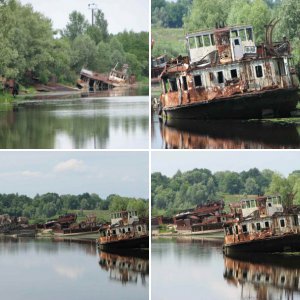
<point x="262" y="225"/>
<point x="91" y="81"/>
<point x="126" y="231"/>
<point x="227" y="76"/>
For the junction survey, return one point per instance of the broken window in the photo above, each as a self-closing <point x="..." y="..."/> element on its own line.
<point x="282" y="223"/>
<point x="233" y="73"/>
<point x="129" y="230"/>
<point x="212" y="39"/>
<point x="244" y="228"/>
<point x="237" y="42"/>
<point x="114" y="232"/>
<point x="139" y="228"/>
<point x="199" y="41"/>
<point x="258" y="226"/>
<point x="233" y="33"/>
<point x="258" y="71"/>
<point x="242" y="34"/>
<point x="249" y="34"/>
<point x="197" y="80"/>
<point x="192" y="42"/>
<point x="173" y="84"/>
<point x="220" y="77"/>
<point x="230" y="230"/>
<point x="206" y="40"/>
<point x="184" y="83"/>
<point x="267" y="224"/>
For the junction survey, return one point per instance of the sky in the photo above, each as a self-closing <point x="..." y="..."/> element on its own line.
<point x="69" y="172"/>
<point x="169" y="162"/>
<point x="120" y="14"/>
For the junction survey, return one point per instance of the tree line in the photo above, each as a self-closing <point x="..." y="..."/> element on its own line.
<point x="187" y="189"/>
<point x="32" y="50"/>
<point x="49" y="205"/>
<point x="204" y="14"/>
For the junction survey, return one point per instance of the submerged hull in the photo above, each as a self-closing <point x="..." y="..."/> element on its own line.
<point x="256" y="105"/>
<point x="283" y="243"/>
<point x="133" y="243"/>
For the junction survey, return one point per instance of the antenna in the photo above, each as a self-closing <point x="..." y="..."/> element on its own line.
<point x="93" y="7"/>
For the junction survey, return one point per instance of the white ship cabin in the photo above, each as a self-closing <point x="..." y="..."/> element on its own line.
<point x="267" y="206"/>
<point x="127" y="217"/>
<point x="235" y="40"/>
<point x="119" y="76"/>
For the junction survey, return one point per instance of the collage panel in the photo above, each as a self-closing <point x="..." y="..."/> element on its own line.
<point x="225" y="225"/>
<point x="69" y="222"/>
<point x="225" y="74"/>
<point x="74" y="75"/>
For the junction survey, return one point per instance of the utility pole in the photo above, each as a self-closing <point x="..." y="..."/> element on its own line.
<point x="92" y="7"/>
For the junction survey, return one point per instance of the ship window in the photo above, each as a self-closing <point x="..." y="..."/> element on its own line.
<point x="212" y="39"/>
<point x="173" y="84"/>
<point x="270" y="204"/>
<point x="128" y="230"/>
<point x="244" y="228"/>
<point x="282" y="279"/>
<point x="253" y="204"/>
<point x="139" y="228"/>
<point x="233" y="73"/>
<point x="234" y="33"/>
<point x="108" y="233"/>
<point x="258" y="226"/>
<point x="236" y="229"/>
<point x="296" y="221"/>
<point x="206" y="40"/>
<point x="267" y="224"/>
<point x="282" y="223"/>
<point x="258" y="71"/>
<point x="184" y="83"/>
<point x="242" y="34"/>
<point x="199" y="41"/>
<point x="230" y="230"/>
<point x="249" y="34"/>
<point x="113" y="232"/>
<point x="220" y="77"/>
<point x="192" y="43"/>
<point x="197" y="80"/>
<point x="123" y="230"/>
<point x="237" y="42"/>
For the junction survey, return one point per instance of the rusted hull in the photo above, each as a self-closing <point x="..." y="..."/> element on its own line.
<point x="276" y="103"/>
<point x="284" y="243"/>
<point x="134" y="243"/>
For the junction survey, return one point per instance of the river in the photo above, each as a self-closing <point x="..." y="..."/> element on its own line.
<point x="192" y="134"/>
<point x="195" y="268"/>
<point x="43" y="269"/>
<point x="80" y="123"/>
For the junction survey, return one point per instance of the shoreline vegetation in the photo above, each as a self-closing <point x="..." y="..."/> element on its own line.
<point x="56" y="56"/>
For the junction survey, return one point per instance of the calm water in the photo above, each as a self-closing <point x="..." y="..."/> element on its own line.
<point x="193" y="134"/>
<point x="42" y="270"/>
<point x="190" y="268"/>
<point x="85" y="123"/>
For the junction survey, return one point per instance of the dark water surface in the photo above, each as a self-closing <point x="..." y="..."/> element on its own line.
<point x="42" y="270"/>
<point x="192" y="134"/>
<point x="195" y="268"/>
<point x="83" y="123"/>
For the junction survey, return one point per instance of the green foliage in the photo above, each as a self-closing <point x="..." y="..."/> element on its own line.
<point x="77" y="25"/>
<point x="50" y="205"/>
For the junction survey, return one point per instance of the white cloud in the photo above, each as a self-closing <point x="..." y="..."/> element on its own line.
<point x="31" y="173"/>
<point x="69" y="165"/>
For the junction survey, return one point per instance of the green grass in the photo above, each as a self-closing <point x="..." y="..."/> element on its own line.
<point x="170" y="41"/>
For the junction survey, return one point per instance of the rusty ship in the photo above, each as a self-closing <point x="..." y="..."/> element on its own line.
<point x="126" y="231"/>
<point x="227" y="76"/>
<point x="262" y="225"/>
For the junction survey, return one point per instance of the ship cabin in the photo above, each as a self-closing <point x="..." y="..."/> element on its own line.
<point x="119" y="76"/>
<point x="126" y="217"/>
<point x="261" y="218"/>
<point x="232" y="43"/>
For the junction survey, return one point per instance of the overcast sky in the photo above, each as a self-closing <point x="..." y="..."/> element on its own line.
<point x="104" y="173"/>
<point x="168" y="162"/>
<point x="120" y="14"/>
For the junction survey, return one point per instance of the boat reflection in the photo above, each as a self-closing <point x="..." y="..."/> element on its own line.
<point x="192" y="134"/>
<point x="125" y="269"/>
<point x="265" y="278"/>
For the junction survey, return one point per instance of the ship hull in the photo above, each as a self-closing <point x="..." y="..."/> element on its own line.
<point x="256" y="105"/>
<point x="134" y="243"/>
<point x="284" y="243"/>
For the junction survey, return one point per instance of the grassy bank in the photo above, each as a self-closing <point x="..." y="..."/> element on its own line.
<point x="169" y="41"/>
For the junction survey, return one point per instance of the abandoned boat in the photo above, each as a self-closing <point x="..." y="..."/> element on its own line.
<point x="157" y="66"/>
<point x="91" y="81"/>
<point x="262" y="225"/>
<point x="226" y="76"/>
<point x="126" y="231"/>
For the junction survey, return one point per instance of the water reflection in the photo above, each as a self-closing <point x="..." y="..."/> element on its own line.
<point x="119" y="122"/>
<point x="125" y="269"/>
<point x="275" y="278"/>
<point x="192" y="134"/>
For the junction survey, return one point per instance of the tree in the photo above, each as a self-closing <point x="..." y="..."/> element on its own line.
<point x="98" y="32"/>
<point x="77" y="25"/>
